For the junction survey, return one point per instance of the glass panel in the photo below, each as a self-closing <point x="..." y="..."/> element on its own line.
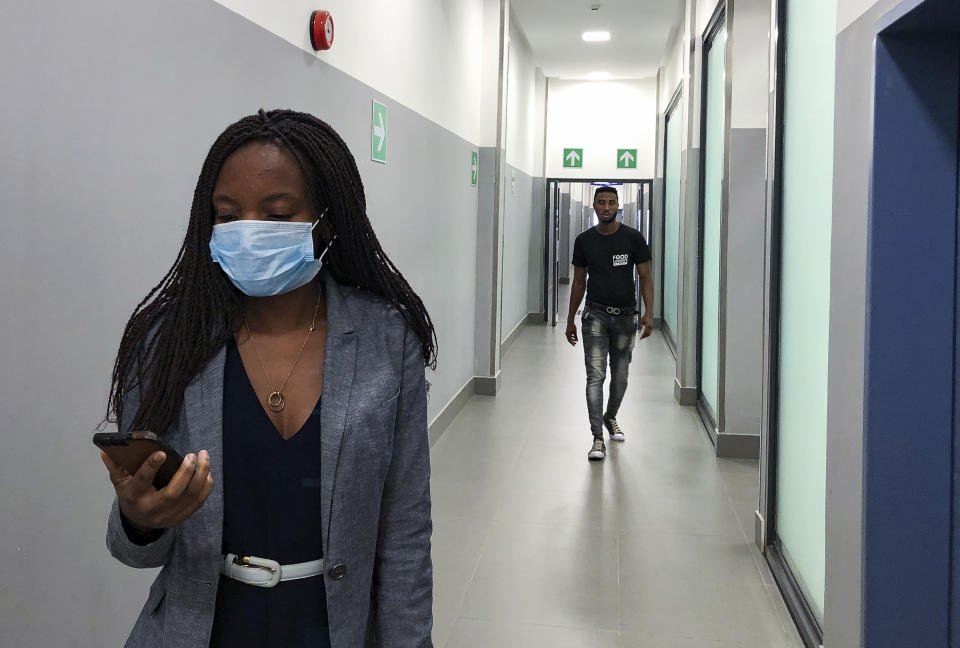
<point x="671" y="234"/>
<point x="712" y="212"/>
<point x="805" y="290"/>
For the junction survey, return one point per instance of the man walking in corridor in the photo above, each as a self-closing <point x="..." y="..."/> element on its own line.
<point x="604" y="257"/>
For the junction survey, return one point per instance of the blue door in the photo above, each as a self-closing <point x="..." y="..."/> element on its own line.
<point x="911" y="443"/>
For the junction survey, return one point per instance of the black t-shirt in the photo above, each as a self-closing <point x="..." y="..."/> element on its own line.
<point x="610" y="260"/>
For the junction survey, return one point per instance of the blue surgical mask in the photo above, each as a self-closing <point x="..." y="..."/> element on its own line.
<point x="266" y="258"/>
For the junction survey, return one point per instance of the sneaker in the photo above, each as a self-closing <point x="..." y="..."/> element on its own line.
<point x="616" y="434"/>
<point x="598" y="451"/>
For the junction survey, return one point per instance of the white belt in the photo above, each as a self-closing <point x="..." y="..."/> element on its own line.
<point x="264" y="572"/>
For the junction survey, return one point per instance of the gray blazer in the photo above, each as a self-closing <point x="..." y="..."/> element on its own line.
<point x="375" y="470"/>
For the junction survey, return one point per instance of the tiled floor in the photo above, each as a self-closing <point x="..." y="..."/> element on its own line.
<point x="535" y="546"/>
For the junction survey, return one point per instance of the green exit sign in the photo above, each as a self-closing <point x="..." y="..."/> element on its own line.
<point x="378" y="139"/>
<point x="626" y="158"/>
<point x="573" y="158"/>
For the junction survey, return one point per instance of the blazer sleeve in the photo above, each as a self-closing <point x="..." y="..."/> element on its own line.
<point x="129" y="550"/>
<point x="403" y="573"/>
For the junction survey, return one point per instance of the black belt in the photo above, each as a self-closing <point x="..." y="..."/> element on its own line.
<point x="612" y="310"/>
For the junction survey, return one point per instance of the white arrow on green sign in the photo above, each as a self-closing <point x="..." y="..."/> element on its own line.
<point x="573" y="158"/>
<point x="378" y="140"/>
<point x="626" y="158"/>
<point x="474" y="166"/>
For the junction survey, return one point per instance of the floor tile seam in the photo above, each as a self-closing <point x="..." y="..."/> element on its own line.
<point x="484" y="521"/>
<point x="508" y="622"/>
<point x="619" y="586"/>
<point x="517" y="620"/>
<point x="703" y="637"/>
<point x="597" y="524"/>
<point x="733" y="509"/>
<point x="514" y="457"/>
<point x="601" y="579"/>
<point x="778" y="603"/>
<point x="551" y="525"/>
<point x="706" y="535"/>
<point x="492" y="490"/>
<point x="473" y="572"/>
<point x="701" y="579"/>
<point x="684" y="534"/>
<point x="755" y="585"/>
<point x="658" y="636"/>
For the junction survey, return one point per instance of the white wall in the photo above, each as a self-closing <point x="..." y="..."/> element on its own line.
<point x="671" y="70"/>
<point x="526" y="89"/>
<point x="849" y="10"/>
<point x="750" y="40"/>
<point x="600" y="117"/>
<point x="490" y="72"/>
<point x="425" y="54"/>
<point x="705" y="10"/>
<point x="525" y="106"/>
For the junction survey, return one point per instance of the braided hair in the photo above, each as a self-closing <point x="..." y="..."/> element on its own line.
<point x="195" y="309"/>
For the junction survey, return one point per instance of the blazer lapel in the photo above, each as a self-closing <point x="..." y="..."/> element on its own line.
<point x="340" y="354"/>
<point x="203" y="401"/>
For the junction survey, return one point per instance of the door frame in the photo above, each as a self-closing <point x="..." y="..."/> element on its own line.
<point x="669" y="335"/>
<point x="911" y="407"/>
<point x="805" y="619"/>
<point x="551" y="235"/>
<point x="713" y="420"/>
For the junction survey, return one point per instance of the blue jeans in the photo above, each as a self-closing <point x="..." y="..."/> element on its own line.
<point x="606" y="335"/>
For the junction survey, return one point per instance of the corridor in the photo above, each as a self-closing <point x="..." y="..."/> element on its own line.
<point x="651" y="548"/>
<point x="446" y="154"/>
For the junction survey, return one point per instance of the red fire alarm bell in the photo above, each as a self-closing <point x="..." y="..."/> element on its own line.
<point x="321" y="30"/>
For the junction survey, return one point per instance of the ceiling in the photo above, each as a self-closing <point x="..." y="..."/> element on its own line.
<point x="639" y="30"/>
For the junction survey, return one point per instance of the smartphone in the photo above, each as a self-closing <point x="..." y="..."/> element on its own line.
<point x="131" y="450"/>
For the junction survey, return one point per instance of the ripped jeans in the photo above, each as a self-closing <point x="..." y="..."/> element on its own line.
<point x="605" y="334"/>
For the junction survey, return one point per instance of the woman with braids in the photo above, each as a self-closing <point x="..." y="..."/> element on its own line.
<point x="300" y="515"/>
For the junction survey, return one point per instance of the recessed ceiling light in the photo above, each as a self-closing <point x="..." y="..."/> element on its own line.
<point x="599" y="76"/>
<point x="596" y="36"/>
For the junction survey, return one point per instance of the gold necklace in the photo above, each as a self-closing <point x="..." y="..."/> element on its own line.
<point x="276" y="401"/>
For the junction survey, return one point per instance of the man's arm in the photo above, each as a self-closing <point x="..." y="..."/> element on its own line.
<point x="646" y="289"/>
<point x="577" y="288"/>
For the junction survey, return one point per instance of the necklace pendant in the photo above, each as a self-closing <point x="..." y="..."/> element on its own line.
<point x="276" y="401"/>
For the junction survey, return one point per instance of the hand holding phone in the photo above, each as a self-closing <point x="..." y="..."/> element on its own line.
<point x="141" y="501"/>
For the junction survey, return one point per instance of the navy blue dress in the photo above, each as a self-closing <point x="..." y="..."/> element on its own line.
<point x="271" y="509"/>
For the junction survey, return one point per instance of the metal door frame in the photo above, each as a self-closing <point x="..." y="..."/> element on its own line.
<point x="668" y="116"/>
<point x="552" y="235"/>
<point x="712" y="419"/>
<point x="911" y="487"/>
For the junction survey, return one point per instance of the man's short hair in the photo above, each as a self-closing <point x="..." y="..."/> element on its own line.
<point x="606" y="189"/>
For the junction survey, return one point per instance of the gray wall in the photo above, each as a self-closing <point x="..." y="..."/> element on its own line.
<point x="743" y="373"/>
<point x="685" y="387"/>
<point x="748" y="25"/>
<point x="521" y="248"/>
<point x="483" y="261"/>
<point x="535" y="258"/>
<point x="109" y="112"/>
<point x="567" y="210"/>
<point x="853" y="143"/>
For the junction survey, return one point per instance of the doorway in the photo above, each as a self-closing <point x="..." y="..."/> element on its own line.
<point x="714" y="129"/>
<point x="570" y="212"/>
<point x="799" y="212"/>
<point x="670" y="240"/>
<point x="911" y="526"/>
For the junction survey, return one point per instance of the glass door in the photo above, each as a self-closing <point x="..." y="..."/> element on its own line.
<point x="670" y="274"/>
<point x="801" y="212"/>
<point x="713" y="129"/>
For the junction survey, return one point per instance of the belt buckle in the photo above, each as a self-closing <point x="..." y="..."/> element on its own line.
<point x="613" y="310"/>
<point x="253" y="562"/>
